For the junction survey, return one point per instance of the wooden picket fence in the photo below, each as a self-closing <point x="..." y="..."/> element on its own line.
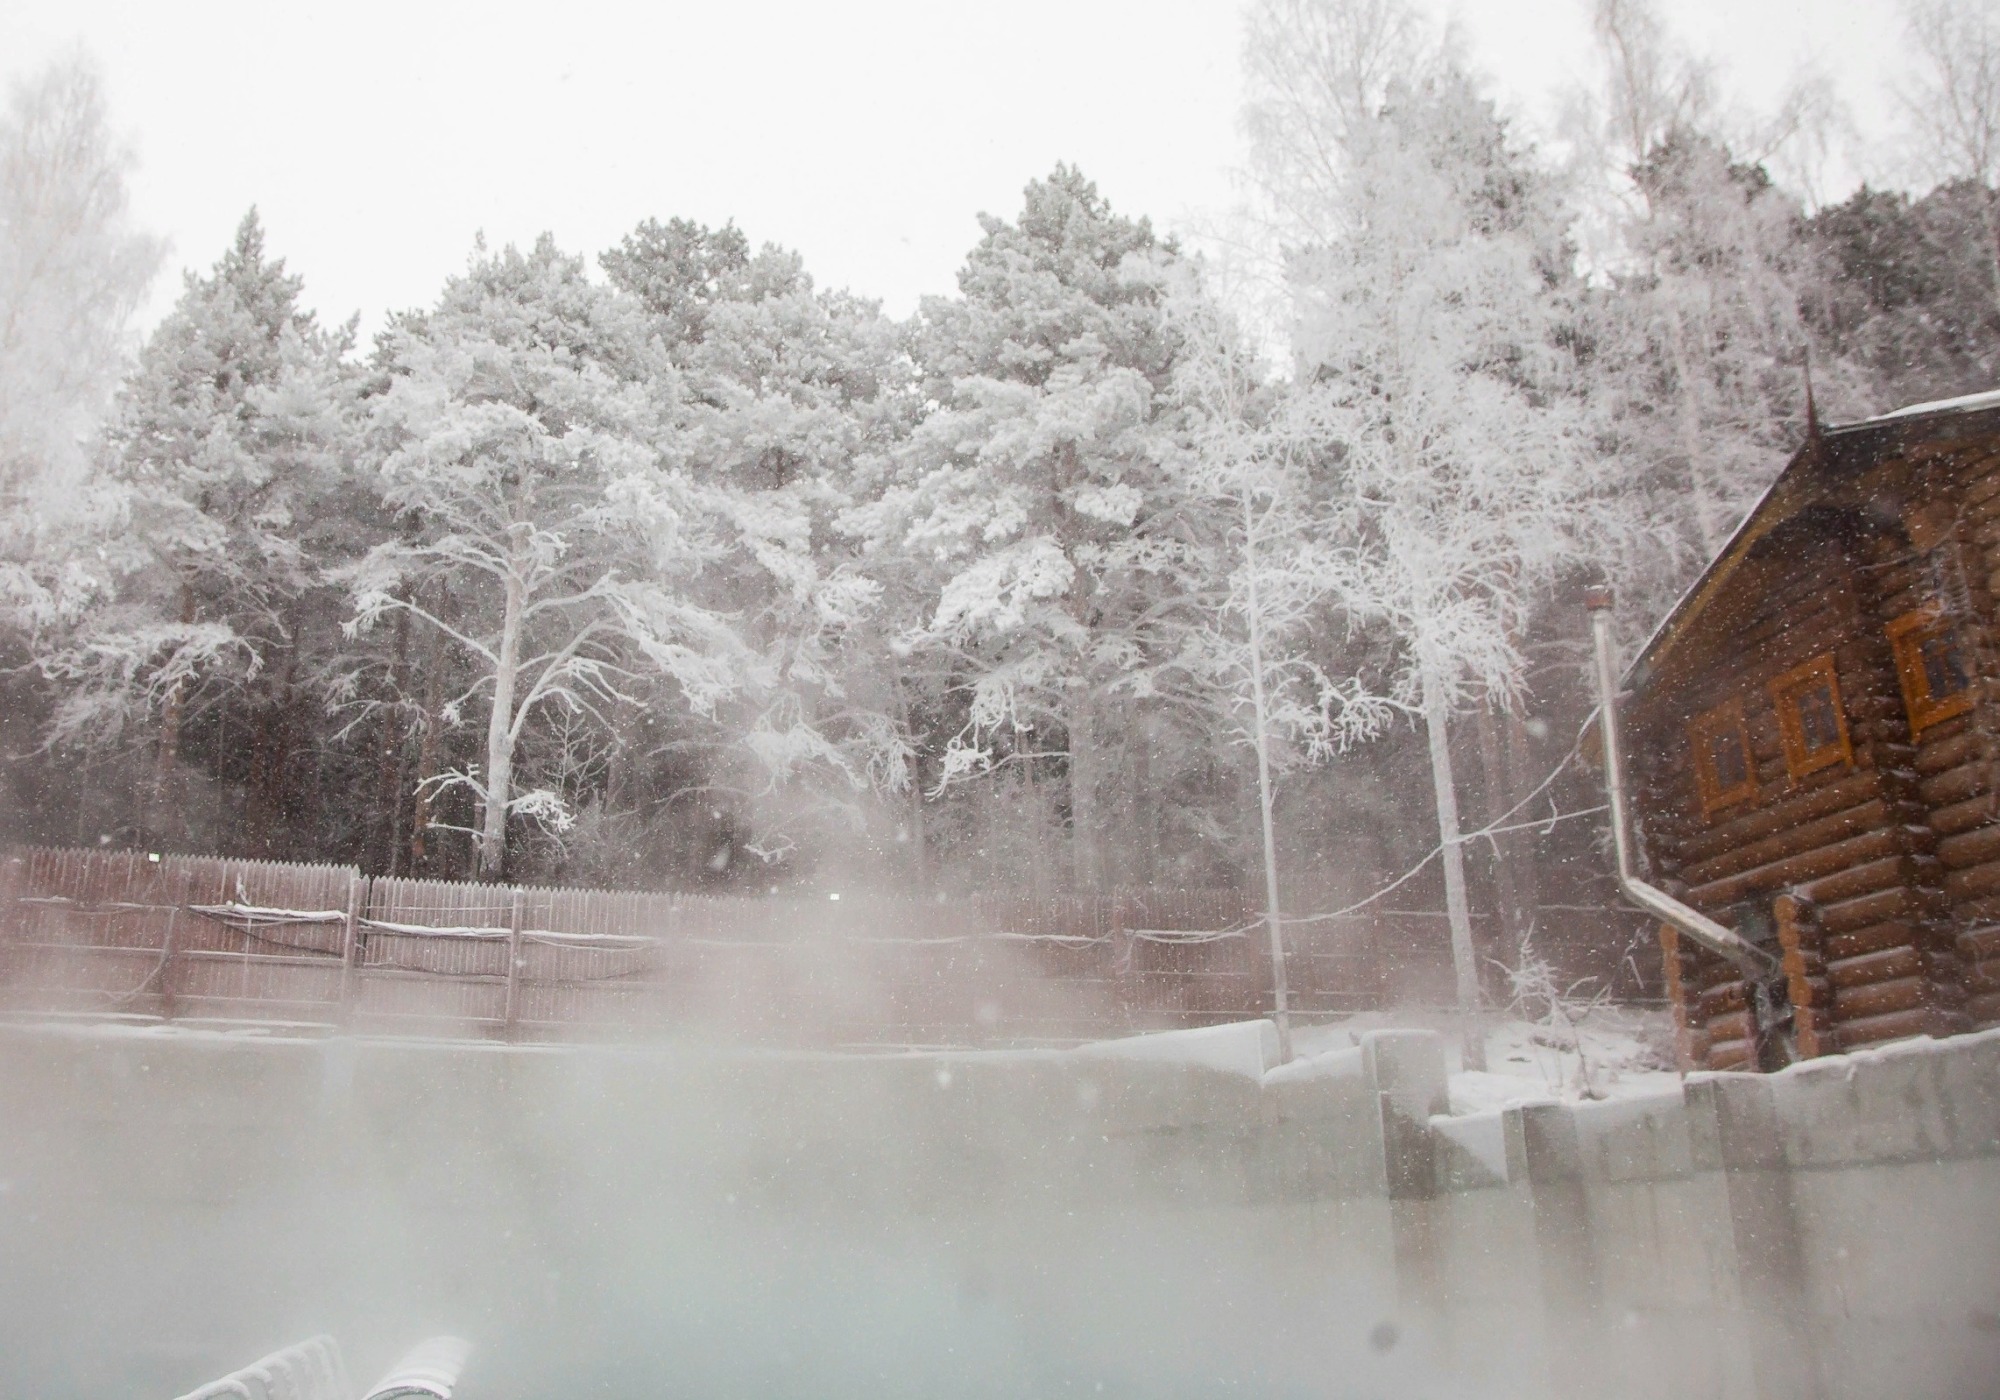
<point x="320" y="946"/>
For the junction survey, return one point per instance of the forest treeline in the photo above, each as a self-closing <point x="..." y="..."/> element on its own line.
<point x="670" y="567"/>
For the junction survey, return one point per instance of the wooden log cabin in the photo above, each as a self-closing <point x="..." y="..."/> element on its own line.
<point x="1815" y="746"/>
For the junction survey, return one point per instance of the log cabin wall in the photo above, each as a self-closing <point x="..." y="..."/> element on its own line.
<point x="1889" y="959"/>
<point x="1873" y="867"/>
<point x="1954" y="568"/>
<point x="1840" y="827"/>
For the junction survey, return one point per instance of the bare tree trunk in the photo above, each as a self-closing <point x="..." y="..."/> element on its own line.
<point x="500" y="739"/>
<point x="160" y="801"/>
<point x="1040" y="874"/>
<point x="1463" y="956"/>
<point x="618" y="759"/>
<point x="271" y="758"/>
<point x="920" y="854"/>
<point x="393" y="858"/>
<point x="256" y="784"/>
<point x="427" y="757"/>
<point x="1706" y="509"/>
<point x="1520" y="775"/>
<point x="1086" y="857"/>
<point x="920" y="851"/>
<point x="1145" y="831"/>
<point x="1509" y="851"/>
<point x="1990" y="216"/>
<point x="1273" y="916"/>
<point x="278" y="762"/>
<point x="389" y="752"/>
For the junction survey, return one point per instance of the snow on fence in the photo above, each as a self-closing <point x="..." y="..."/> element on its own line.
<point x="123" y="931"/>
<point x="97" y="932"/>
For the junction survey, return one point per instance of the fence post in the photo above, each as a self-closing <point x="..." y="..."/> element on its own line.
<point x="1119" y="959"/>
<point x="167" y="963"/>
<point x="513" y="965"/>
<point x="350" y="946"/>
<point x="13" y="913"/>
<point x="13" y="885"/>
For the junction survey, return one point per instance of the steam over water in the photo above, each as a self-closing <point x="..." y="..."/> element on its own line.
<point x="1163" y="1217"/>
<point x="667" y="1222"/>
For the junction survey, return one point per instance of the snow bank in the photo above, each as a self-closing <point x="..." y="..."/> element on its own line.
<point x="1848" y="1063"/>
<point x="1476" y="1091"/>
<point x="1248" y="1048"/>
<point x="1481" y="1135"/>
<point x="1343" y="1063"/>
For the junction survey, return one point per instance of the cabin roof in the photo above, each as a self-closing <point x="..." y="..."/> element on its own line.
<point x="1830" y="457"/>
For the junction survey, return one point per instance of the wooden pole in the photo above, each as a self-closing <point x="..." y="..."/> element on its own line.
<point x="167" y="964"/>
<point x="350" y="947"/>
<point x="13" y="886"/>
<point x="1464" y="957"/>
<point x="513" y="966"/>
<point x="1274" y="923"/>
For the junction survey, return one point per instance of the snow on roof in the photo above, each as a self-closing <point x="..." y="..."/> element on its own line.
<point x="1964" y="403"/>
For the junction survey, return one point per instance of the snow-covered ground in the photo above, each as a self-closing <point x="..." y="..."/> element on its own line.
<point x="1613" y="1052"/>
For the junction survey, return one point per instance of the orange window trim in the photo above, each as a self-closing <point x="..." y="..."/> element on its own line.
<point x="1907" y="635"/>
<point x="1789" y="694"/>
<point x="1724" y="721"/>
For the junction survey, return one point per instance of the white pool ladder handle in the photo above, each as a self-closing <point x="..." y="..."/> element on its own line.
<point x="428" y="1371"/>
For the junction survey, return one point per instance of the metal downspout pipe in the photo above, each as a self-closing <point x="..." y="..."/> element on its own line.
<point x="1757" y="966"/>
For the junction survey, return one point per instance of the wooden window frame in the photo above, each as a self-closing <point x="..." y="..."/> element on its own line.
<point x="1906" y="639"/>
<point x="1703" y="728"/>
<point x="1785" y="690"/>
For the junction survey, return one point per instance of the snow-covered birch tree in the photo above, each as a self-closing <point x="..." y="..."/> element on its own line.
<point x="1253" y="476"/>
<point x="1698" y="341"/>
<point x="72" y="270"/>
<point x="1427" y="310"/>
<point x="522" y="456"/>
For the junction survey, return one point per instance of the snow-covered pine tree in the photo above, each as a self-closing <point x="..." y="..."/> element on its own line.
<point x="233" y="442"/>
<point x="1040" y="481"/>
<point x="1951" y="105"/>
<point x="523" y="451"/>
<point x="1905" y="290"/>
<point x="788" y="391"/>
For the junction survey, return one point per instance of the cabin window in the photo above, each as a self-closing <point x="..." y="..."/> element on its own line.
<point x="1932" y="666"/>
<point x="1724" y="772"/>
<point x="1809" y="718"/>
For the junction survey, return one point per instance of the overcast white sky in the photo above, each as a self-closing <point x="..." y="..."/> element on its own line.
<point x="377" y="138"/>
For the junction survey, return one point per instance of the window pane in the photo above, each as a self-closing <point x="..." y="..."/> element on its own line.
<point x="1944" y="667"/>
<point x="1726" y="758"/>
<point x="1819" y="727"/>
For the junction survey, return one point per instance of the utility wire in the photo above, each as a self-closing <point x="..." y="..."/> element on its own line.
<point x="1490" y="830"/>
